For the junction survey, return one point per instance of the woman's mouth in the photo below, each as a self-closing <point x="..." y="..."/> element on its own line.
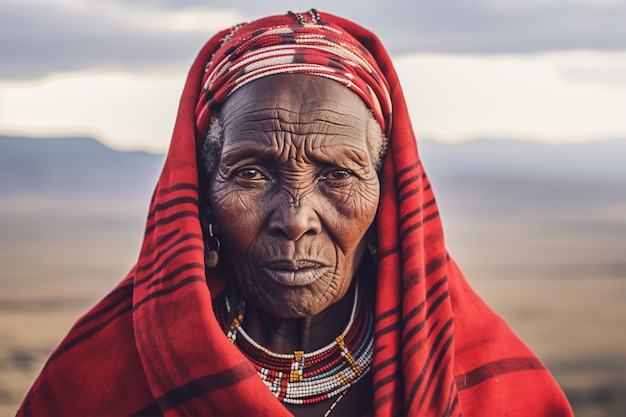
<point x="294" y="273"/>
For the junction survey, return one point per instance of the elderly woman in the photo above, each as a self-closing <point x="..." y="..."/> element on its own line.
<point x="293" y="260"/>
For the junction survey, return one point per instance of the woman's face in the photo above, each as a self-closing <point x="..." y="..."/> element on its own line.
<point x="294" y="192"/>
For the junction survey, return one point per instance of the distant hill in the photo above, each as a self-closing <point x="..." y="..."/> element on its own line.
<point x="73" y="166"/>
<point x="478" y="174"/>
<point x="595" y="162"/>
<point x="506" y="176"/>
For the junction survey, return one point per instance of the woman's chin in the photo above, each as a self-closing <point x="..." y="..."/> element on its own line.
<point x="291" y="293"/>
<point x="286" y="306"/>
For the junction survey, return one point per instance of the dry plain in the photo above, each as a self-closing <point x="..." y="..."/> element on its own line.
<point x="549" y="258"/>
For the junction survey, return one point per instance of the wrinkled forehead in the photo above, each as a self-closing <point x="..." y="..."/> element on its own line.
<point x="277" y="118"/>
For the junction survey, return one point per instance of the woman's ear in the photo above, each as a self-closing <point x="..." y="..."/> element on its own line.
<point x="206" y="214"/>
<point x="204" y="204"/>
<point x="209" y="236"/>
<point x="372" y="240"/>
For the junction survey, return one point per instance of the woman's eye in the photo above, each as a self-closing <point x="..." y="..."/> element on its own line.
<point x="251" y="174"/>
<point x="337" y="175"/>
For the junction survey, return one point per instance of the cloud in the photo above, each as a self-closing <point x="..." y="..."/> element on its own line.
<point x="553" y="97"/>
<point x="46" y="36"/>
<point x="607" y="70"/>
<point x="490" y="26"/>
<point x="548" y="96"/>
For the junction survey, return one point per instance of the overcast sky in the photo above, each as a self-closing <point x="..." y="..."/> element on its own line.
<point x="546" y="69"/>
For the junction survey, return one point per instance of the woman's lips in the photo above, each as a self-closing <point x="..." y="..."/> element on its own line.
<point x="294" y="273"/>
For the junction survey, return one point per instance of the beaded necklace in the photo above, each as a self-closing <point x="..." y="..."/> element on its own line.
<point x="309" y="377"/>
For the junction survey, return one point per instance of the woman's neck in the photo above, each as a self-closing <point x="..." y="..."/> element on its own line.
<point x="307" y="333"/>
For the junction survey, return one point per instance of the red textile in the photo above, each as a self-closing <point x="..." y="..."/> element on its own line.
<point x="254" y="51"/>
<point x="153" y="345"/>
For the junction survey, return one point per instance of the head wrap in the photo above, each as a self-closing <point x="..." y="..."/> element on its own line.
<point x="154" y="347"/>
<point x="308" y="46"/>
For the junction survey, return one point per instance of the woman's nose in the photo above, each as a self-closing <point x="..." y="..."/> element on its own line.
<point x="294" y="219"/>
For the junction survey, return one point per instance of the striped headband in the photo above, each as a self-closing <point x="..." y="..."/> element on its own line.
<point x="302" y="47"/>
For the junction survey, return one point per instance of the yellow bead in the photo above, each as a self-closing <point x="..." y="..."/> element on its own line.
<point x="234" y="324"/>
<point x="340" y="342"/>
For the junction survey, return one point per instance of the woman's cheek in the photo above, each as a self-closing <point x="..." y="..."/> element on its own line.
<point x="231" y="199"/>
<point x="238" y="214"/>
<point x="357" y="204"/>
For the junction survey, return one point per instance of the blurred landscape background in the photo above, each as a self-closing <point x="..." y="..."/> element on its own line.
<point x="518" y="107"/>
<point x="539" y="230"/>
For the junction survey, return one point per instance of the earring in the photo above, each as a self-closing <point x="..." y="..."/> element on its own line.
<point x="211" y="249"/>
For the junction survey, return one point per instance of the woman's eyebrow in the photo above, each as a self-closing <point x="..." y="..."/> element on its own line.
<point x="234" y="154"/>
<point x="328" y="153"/>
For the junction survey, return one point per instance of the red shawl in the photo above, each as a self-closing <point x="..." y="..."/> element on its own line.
<point x="154" y="347"/>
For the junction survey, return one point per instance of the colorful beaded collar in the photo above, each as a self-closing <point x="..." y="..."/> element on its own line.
<point x="309" y="377"/>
